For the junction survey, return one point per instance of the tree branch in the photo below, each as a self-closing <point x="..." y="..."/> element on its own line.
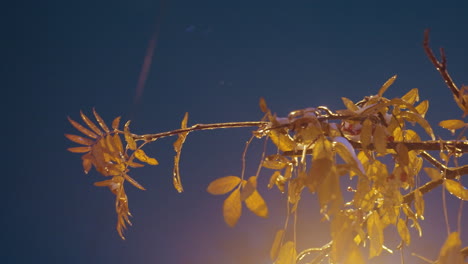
<point x="440" y="66"/>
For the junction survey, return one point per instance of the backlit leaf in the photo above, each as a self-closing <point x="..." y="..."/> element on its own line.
<point x="347" y="153"/>
<point x="80" y="140"/>
<point x="450" y="252"/>
<point x="433" y="173"/>
<point x="452" y="124"/>
<point x="128" y="137"/>
<point x="256" y="204"/>
<point x="232" y="208"/>
<point x="276" y="244"/>
<point x="402" y="151"/>
<point x="412" y="96"/>
<point x="100" y="121"/>
<point x="79" y="149"/>
<point x="90" y="124"/>
<point x="82" y="129"/>
<point x="415" y="117"/>
<point x="403" y="231"/>
<point x="375" y="231"/>
<point x="287" y="254"/>
<point x="423" y="107"/>
<point x="386" y="85"/>
<point x="141" y="156"/>
<point x="223" y="185"/>
<point x="349" y="104"/>
<point x="456" y="189"/>
<point x="115" y="123"/>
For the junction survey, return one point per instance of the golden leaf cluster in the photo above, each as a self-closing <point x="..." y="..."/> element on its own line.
<point x="103" y="149"/>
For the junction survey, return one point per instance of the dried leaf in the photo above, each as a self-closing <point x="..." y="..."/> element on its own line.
<point x="82" y="129"/>
<point x="80" y="140"/>
<point x="386" y="85"/>
<point x="223" y="185"/>
<point x="452" y="124"/>
<point x="128" y="137"/>
<point x="256" y="204"/>
<point x="349" y="104"/>
<point x="287" y="254"/>
<point x="115" y="123"/>
<point x="450" y="252"/>
<point x="118" y="143"/>
<point x="232" y="208"/>
<point x="403" y="231"/>
<point x="177" y="182"/>
<point x="141" y="156"/>
<point x="412" y="96"/>
<point x="375" y="230"/>
<point x="276" y="244"/>
<point x="79" y="149"/>
<point x="249" y="187"/>
<point x="433" y="173"/>
<point x="90" y="124"/>
<point x="100" y="121"/>
<point x="380" y="139"/>
<point x="456" y="189"/>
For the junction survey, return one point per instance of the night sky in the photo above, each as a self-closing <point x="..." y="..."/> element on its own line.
<point x="213" y="59"/>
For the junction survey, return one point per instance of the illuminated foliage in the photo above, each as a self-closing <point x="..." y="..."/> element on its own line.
<point x="372" y="140"/>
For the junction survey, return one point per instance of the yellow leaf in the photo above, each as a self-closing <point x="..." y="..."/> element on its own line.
<point x="412" y="96"/>
<point x="386" y="85"/>
<point x="256" y="204"/>
<point x="347" y="153"/>
<point x="375" y="230"/>
<point x="90" y="124"/>
<point x="354" y="255"/>
<point x="275" y="162"/>
<point x="276" y="244"/>
<point x="249" y="187"/>
<point x="415" y="117"/>
<point x="450" y="252"/>
<point x="433" y="173"/>
<point x="456" y="189"/>
<point x="80" y="140"/>
<point x="349" y="104"/>
<point x="79" y="149"/>
<point x="115" y="123"/>
<point x="141" y="156"/>
<point x="176" y="180"/>
<point x="223" y="185"/>
<point x="100" y="121"/>
<point x="281" y="139"/>
<point x="128" y="137"/>
<point x="423" y="107"/>
<point x="452" y="124"/>
<point x="419" y="204"/>
<point x="82" y="129"/>
<point x="287" y="254"/>
<point x="366" y="133"/>
<point x="134" y="182"/>
<point x="232" y="208"/>
<point x="380" y="139"/>
<point x="403" y="231"/>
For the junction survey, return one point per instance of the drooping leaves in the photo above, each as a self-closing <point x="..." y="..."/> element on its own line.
<point x="276" y="244"/>
<point x="256" y="204"/>
<point x="287" y="254"/>
<point x="450" y="252"/>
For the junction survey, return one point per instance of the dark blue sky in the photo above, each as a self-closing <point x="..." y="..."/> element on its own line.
<point x="214" y="59"/>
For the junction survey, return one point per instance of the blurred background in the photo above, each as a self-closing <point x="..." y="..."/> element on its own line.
<point x="213" y="59"/>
